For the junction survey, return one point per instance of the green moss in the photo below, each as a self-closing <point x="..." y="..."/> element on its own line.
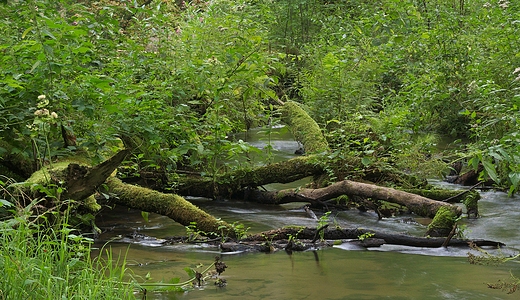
<point x="443" y="222"/>
<point x="343" y="199"/>
<point x="471" y="200"/>
<point x="91" y="204"/>
<point x="171" y="205"/>
<point x="55" y="173"/>
<point x="45" y="175"/>
<point x="304" y="128"/>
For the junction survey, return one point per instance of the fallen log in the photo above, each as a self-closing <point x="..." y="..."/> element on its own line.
<point x="301" y="239"/>
<point x="306" y="233"/>
<point x="170" y="205"/>
<point x="291" y="245"/>
<point x="417" y="204"/>
<point x="237" y="184"/>
<point x="468" y="197"/>
<point x="83" y="181"/>
<point x="80" y="182"/>
<point x="304" y="128"/>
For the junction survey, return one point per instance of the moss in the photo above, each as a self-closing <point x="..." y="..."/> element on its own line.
<point x="91" y="204"/>
<point x="47" y="174"/>
<point x="443" y="222"/>
<point x="171" y="205"/>
<point x="55" y="173"/>
<point x="304" y="128"/>
<point x="469" y="199"/>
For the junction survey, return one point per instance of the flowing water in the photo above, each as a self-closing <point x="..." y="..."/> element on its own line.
<point x="341" y="272"/>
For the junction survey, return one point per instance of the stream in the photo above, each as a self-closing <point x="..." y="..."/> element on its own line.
<point x="341" y="272"/>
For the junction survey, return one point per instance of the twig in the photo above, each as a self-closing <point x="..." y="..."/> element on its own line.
<point x="448" y="238"/>
<point x="464" y="192"/>
<point x="318" y="231"/>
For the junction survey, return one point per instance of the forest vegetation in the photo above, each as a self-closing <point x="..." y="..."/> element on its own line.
<point x="410" y="86"/>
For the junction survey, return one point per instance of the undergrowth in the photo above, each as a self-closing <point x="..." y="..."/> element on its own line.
<point x="44" y="260"/>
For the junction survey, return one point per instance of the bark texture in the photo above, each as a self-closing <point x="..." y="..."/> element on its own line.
<point x="83" y="182"/>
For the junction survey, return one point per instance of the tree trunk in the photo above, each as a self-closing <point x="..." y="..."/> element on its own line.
<point x="170" y="205"/>
<point x="417" y="204"/>
<point x="234" y="184"/>
<point x="83" y="182"/>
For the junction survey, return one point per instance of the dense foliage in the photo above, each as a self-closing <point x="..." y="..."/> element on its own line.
<point x="385" y="79"/>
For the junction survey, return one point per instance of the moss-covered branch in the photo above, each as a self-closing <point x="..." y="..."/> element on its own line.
<point x="304" y="128"/>
<point x="170" y="205"/>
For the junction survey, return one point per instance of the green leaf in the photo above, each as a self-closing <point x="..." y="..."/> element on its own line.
<point x="473" y="162"/>
<point x="48" y="33"/>
<point x="112" y="108"/>
<point x="190" y="271"/>
<point x="515" y="179"/>
<point x="4" y="202"/>
<point x="35" y="65"/>
<point x="489" y="167"/>
<point x="145" y="215"/>
<point x="26" y="32"/>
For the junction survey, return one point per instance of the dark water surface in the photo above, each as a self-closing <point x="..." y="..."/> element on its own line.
<point x="342" y="272"/>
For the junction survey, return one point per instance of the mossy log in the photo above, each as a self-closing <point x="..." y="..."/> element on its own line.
<point x="304" y="128"/>
<point x="306" y="233"/>
<point x="81" y="181"/>
<point x="170" y="205"/>
<point x="443" y="222"/>
<point x="78" y="180"/>
<point x="468" y="197"/>
<point x="237" y="184"/>
<point x="232" y="183"/>
<point x="415" y="203"/>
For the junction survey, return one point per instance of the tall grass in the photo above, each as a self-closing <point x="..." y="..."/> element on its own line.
<point x="44" y="261"/>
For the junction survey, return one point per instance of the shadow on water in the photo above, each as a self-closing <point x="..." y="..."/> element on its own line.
<point x="341" y="272"/>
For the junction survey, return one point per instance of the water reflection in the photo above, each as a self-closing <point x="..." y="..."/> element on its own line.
<point x="325" y="274"/>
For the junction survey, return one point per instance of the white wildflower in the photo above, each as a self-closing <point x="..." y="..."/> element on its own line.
<point x="516" y="70"/>
<point x="41" y="97"/>
<point x="472" y="86"/>
<point x="487" y="5"/>
<point x="54" y="115"/>
<point x="503" y="3"/>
